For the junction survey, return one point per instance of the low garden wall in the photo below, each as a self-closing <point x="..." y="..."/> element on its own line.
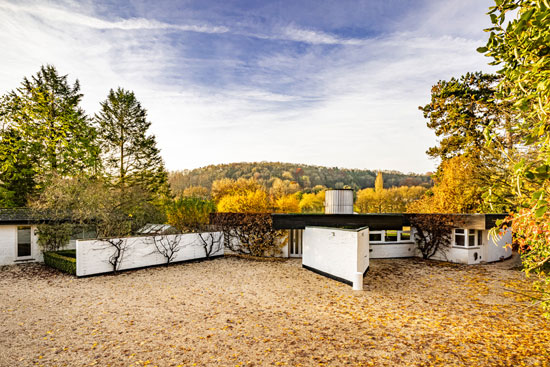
<point x="96" y="256"/>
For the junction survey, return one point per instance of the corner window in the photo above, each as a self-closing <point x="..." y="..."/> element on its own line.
<point x="460" y="237"/>
<point x="472" y="240"/>
<point x="466" y="237"/>
<point x="23" y="241"/>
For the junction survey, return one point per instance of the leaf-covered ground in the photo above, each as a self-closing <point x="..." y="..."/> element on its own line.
<point x="238" y="312"/>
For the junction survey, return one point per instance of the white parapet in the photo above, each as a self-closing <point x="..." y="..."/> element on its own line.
<point x="341" y="254"/>
<point x="92" y="256"/>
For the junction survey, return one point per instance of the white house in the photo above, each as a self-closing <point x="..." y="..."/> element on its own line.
<point x="18" y="239"/>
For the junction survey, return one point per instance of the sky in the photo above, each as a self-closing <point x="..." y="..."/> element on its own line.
<point x="331" y="83"/>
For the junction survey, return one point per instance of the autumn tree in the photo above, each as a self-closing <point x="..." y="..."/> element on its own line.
<point x="392" y="200"/>
<point x="131" y="157"/>
<point x="520" y="47"/>
<point x="43" y="132"/>
<point x="196" y="191"/>
<point x="457" y="189"/>
<point x="313" y="202"/>
<point x="287" y="204"/>
<point x="253" y="201"/>
<point x="226" y="186"/>
<point x="189" y="214"/>
<point x="250" y="233"/>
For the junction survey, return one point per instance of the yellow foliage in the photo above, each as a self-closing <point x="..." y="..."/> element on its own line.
<point x="227" y="186"/>
<point x="287" y="204"/>
<point x="393" y="200"/>
<point x="254" y="201"/>
<point x="312" y="203"/>
<point x="456" y="189"/>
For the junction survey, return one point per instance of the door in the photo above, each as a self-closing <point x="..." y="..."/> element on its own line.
<point x="295" y="242"/>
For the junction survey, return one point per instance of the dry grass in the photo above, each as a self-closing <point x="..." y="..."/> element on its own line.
<point x="232" y="311"/>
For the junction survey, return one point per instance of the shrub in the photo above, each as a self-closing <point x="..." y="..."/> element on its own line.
<point x="249" y="233"/>
<point x="61" y="260"/>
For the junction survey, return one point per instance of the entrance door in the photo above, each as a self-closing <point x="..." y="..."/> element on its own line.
<point x="295" y="242"/>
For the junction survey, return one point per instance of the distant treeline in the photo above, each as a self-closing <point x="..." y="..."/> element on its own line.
<point x="306" y="176"/>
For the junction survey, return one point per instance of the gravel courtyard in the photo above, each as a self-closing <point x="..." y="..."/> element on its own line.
<point x="237" y="312"/>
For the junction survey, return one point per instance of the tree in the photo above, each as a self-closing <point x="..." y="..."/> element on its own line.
<point x="190" y="214"/>
<point x="288" y="204"/>
<point x="255" y="201"/>
<point x="520" y="47"/>
<point x="392" y="200"/>
<point x="379" y="183"/>
<point x="250" y="233"/>
<point x="227" y="186"/>
<point x="462" y="110"/>
<point x="113" y="213"/>
<point x="196" y="191"/>
<point x="44" y="132"/>
<point x="433" y="232"/>
<point x="457" y="189"/>
<point x="131" y="156"/>
<point x="313" y="202"/>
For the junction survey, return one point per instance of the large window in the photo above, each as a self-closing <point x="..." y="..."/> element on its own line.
<point x="466" y="237"/>
<point x="23" y="241"/>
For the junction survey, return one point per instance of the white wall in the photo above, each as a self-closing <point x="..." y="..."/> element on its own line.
<point x="392" y="250"/>
<point x="339" y="252"/>
<point x="92" y="256"/>
<point x="8" y="245"/>
<point x="496" y="250"/>
<point x="487" y="251"/>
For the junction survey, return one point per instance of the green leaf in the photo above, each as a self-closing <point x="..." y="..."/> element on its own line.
<point x="482" y="49"/>
<point x="541" y="211"/>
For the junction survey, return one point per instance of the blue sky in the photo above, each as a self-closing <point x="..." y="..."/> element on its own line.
<point x="334" y="83"/>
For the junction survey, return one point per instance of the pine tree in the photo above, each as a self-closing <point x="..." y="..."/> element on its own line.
<point x="131" y="157"/>
<point x="44" y="132"/>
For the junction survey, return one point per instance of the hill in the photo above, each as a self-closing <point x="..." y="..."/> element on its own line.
<point x="307" y="176"/>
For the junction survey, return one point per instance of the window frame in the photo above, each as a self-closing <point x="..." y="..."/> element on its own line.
<point x="398" y="240"/>
<point x="468" y="232"/>
<point x="31" y="252"/>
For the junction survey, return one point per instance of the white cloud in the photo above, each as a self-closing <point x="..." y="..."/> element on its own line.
<point x="54" y="14"/>
<point x="354" y="107"/>
<point x="315" y="37"/>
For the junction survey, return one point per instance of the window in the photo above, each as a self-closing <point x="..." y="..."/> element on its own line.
<point x="472" y="238"/>
<point x="479" y="238"/>
<point x="405" y="236"/>
<point x="23" y="241"/>
<point x="375" y="236"/>
<point x="391" y="236"/>
<point x="460" y="239"/>
<point x="467" y="237"/>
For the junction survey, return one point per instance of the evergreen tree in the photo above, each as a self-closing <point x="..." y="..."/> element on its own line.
<point x="44" y="132"/>
<point x="131" y="157"/>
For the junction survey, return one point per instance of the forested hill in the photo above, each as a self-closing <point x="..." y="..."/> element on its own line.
<point x="305" y="175"/>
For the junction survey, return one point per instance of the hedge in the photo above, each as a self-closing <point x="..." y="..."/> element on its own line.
<point x="58" y="261"/>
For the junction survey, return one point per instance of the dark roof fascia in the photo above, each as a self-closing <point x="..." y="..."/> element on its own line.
<point x="373" y="220"/>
